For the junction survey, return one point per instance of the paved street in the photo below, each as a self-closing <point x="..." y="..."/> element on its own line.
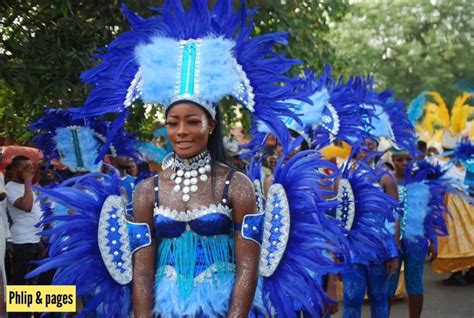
<point x="440" y="301"/>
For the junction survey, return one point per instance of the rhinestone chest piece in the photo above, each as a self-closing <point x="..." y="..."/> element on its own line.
<point x="188" y="172"/>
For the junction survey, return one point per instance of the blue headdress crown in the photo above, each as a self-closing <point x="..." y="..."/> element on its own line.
<point x="331" y="110"/>
<point x="199" y="55"/>
<point x="202" y="71"/>
<point x="80" y="143"/>
<point x="390" y="121"/>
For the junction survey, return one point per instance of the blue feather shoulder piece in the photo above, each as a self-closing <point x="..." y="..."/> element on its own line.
<point x="363" y="209"/>
<point x="313" y="241"/>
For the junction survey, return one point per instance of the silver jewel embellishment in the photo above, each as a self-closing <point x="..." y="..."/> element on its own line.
<point x="188" y="172"/>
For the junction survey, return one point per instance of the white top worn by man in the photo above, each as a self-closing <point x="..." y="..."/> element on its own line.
<point x="24" y="211"/>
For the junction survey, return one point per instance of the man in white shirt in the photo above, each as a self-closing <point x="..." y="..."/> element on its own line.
<point x="25" y="213"/>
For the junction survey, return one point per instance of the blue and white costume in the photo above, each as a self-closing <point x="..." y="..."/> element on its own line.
<point x="197" y="56"/>
<point x="195" y="259"/>
<point x="422" y="220"/>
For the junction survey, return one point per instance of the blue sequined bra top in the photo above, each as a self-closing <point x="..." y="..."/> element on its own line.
<point x="195" y="246"/>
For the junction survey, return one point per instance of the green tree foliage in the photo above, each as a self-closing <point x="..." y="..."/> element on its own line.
<point x="45" y="45"/>
<point x="409" y="46"/>
<point x="307" y="22"/>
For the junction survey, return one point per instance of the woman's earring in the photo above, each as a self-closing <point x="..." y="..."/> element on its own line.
<point x="210" y="133"/>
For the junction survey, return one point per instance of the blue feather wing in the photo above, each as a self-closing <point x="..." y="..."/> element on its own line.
<point x="314" y="240"/>
<point x="74" y="250"/>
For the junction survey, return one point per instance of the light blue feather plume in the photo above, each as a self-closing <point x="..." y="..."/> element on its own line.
<point x="78" y="148"/>
<point x="418" y="198"/>
<point x="416" y="108"/>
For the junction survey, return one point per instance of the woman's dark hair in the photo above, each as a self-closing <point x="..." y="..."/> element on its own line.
<point x="17" y="159"/>
<point x="215" y="145"/>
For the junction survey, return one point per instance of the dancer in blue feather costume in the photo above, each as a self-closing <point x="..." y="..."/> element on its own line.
<point x="203" y="254"/>
<point x="345" y="112"/>
<point x="296" y="284"/>
<point x="422" y="220"/>
<point x="368" y="195"/>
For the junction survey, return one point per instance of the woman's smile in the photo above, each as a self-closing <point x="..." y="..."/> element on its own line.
<point x="184" y="144"/>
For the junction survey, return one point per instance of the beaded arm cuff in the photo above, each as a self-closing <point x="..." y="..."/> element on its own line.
<point x="118" y="239"/>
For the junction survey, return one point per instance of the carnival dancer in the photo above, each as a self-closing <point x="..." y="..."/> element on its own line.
<point x="374" y="260"/>
<point x="198" y="222"/>
<point x="388" y="122"/>
<point x="421" y="220"/>
<point x="341" y="111"/>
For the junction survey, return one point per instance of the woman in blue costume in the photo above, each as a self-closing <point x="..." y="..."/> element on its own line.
<point x="422" y="220"/>
<point x="199" y="245"/>
<point x="375" y="262"/>
<point x="200" y="261"/>
<point x="390" y="122"/>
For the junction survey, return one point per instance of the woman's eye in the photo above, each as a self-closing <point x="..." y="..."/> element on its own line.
<point x="170" y="123"/>
<point x="194" y="122"/>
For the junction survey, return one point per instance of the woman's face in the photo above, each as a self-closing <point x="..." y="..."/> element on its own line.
<point x="189" y="129"/>
<point x="369" y="146"/>
<point x="401" y="161"/>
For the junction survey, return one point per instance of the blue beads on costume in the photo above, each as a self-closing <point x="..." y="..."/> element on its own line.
<point x="113" y="240"/>
<point x="345" y="211"/>
<point x="252" y="227"/>
<point x="138" y="235"/>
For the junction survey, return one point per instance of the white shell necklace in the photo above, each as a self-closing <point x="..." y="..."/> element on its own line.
<point x="187" y="173"/>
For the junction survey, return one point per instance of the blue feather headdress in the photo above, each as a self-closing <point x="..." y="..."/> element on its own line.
<point x="199" y="55"/>
<point x="330" y="111"/>
<point x="424" y="205"/>
<point x="294" y="278"/>
<point x="363" y="209"/>
<point x="390" y="121"/>
<point x="80" y="143"/>
<point x="464" y="153"/>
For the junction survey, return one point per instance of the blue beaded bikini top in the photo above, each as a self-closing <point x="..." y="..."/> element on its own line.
<point x="214" y="219"/>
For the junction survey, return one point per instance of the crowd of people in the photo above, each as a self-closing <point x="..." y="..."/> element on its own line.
<point x="22" y="212"/>
<point x="333" y="188"/>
